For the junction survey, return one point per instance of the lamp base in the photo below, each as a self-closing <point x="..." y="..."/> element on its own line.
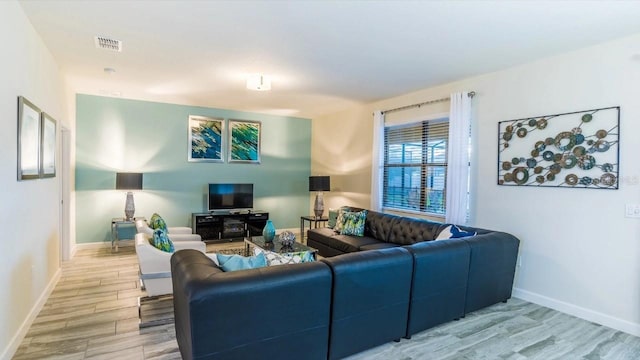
<point x="318" y="206"/>
<point x="129" y="207"/>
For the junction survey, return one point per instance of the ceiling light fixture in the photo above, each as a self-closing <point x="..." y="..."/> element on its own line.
<point x="259" y="82"/>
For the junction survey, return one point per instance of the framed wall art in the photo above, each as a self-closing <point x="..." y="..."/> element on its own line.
<point x="578" y="149"/>
<point x="206" y="139"/>
<point x="47" y="146"/>
<point x="244" y="143"/>
<point x="28" y="140"/>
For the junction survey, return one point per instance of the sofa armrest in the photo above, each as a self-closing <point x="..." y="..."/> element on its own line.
<point x="143" y="227"/>
<point x="491" y="269"/>
<point x="153" y="260"/>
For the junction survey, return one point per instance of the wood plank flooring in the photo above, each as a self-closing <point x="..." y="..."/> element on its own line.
<point x="92" y="314"/>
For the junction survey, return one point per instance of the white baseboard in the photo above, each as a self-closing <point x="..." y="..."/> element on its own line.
<point x="583" y="313"/>
<point x="15" y="342"/>
<point x="102" y="244"/>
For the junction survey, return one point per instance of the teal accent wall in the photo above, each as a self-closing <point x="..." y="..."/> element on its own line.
<point x="118" y="135"/>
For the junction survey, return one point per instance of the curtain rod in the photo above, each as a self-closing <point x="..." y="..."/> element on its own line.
<point x="471" y="94"/>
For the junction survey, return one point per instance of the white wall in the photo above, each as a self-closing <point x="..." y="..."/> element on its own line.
<point x="30" y="261"/>
<point x="578" y="252"/>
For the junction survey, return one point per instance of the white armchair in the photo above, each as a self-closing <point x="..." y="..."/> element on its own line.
<point x="155" y="265"/>
<point x="143" y="227"/>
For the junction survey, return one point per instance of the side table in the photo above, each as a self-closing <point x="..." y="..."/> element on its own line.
<point x="122" y="229"/>
<point x="315" y="221"/>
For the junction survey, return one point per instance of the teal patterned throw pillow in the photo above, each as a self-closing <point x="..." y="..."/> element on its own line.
<point x="353" y="223"/>
<point x="333" y="217"/>
<point x="237" y="262"/>
<point x="157" y="222"/>
<point x="340" y="219"/>
<point x="162" y="241"/>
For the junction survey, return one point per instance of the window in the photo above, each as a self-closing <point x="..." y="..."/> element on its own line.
<point x="415" y="166"/>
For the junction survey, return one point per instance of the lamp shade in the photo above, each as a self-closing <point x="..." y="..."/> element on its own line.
<point x="128" y="181"/>
<point x="319" y="183"/>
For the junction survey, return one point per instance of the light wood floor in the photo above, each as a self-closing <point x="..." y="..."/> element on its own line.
<point x="92" y="314"/>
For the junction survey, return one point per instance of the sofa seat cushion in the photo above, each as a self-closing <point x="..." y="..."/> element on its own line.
<point x="380" y="245"/>
<point x="344" y="243"/>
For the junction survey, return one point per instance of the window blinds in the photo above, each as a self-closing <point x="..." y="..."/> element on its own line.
<point x="415" y="164"/>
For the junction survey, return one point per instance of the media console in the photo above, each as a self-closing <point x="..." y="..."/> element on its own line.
<point x="226" y="226"/>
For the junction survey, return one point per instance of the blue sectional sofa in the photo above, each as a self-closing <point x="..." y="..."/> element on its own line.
<point x="342" y="304"/>
<point x="492" y="254"/>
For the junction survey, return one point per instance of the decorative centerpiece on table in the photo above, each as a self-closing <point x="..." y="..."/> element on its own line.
<point x="269" y="232"/>
<point x="287" y="238"/>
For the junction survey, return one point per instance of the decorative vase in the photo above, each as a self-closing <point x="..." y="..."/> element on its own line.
<point x="129" y="207"/>
<point x="318" y="206"/>
<point x="269" y="232"/>
<point x="287" y="238"/>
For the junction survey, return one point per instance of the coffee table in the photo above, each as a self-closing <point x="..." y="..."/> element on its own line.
<point x="276" y="246"/>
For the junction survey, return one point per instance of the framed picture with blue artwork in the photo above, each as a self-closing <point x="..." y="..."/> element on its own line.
<point x="28" y="140"/>
<point x="47" y="146"/>
<point x="206" y="139"/>
<point x="244" y="143"/>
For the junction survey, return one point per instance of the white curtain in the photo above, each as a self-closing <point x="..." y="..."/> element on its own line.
<point x="458" y="159"/>
<point x="377" y="165"/>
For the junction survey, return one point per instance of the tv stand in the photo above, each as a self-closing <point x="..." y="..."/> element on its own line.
<point x="226" y="226"/>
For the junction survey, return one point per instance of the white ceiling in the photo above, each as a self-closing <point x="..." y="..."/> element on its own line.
<point x="322" y="55"/>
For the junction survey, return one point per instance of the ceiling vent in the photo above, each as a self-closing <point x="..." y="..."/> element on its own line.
<point x="108" y="44"/>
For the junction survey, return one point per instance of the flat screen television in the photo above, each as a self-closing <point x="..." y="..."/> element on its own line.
<point x="230" y="196"/>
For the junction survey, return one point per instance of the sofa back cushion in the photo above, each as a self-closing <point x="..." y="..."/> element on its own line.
<point x="378" y="225"/>
<point x="407" y="231"/>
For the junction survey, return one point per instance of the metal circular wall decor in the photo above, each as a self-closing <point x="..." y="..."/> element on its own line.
<point x="578" y="150"/>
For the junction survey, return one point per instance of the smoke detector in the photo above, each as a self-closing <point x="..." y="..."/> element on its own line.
<point x="108" y="44"/>
<point x="259" y="82"/>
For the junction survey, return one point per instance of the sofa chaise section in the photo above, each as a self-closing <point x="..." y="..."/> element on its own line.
<point x="276" y="312"/>
<point x="380" y="231"/>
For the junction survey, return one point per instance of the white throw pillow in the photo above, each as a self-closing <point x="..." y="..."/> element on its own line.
<point x="454" y="232"/>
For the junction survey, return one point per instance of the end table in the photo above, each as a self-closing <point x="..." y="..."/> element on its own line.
<point x="313" y="220"/>
<point x="122" y="229"/>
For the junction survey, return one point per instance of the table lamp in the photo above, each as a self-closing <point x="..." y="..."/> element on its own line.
<point x="319" y="184"/>
<point x="129" y="181"/>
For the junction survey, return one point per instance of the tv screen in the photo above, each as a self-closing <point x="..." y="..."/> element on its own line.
<point x="230" y="196"/>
